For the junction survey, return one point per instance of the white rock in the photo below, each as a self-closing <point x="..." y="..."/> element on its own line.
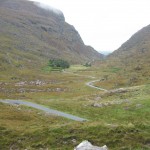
<point x="97" y="105"/>
<point x="86" y="145"/>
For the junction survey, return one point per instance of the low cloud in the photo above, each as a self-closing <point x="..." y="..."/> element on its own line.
<point x="40" y="4"/>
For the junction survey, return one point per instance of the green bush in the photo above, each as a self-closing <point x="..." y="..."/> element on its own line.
<point x="87" y="64"/>
<point x="58" y="63"/>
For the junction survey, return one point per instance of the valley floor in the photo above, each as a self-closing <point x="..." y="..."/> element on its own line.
<point x="118" y="117"/>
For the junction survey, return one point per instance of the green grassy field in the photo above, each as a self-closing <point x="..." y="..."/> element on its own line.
<point x="122" y="120"/>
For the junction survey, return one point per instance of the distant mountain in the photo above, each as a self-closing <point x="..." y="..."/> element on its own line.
<point x="31" y="35"/>
<point x="105" y="53"/>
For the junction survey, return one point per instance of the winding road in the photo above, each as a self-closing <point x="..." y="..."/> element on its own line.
<point x="90" y="84"/>
<point x="53" y="111"/>
<point x="43" y="108"/>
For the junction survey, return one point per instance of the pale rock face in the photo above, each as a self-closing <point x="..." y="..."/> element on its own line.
<point x="86" y="145"/>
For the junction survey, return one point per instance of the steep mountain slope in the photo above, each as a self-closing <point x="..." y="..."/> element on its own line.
<point x="136" y="50"/>
<point x="135" y="53"/>
<point x="130" y="64"/>
<point x="30" y="35"/>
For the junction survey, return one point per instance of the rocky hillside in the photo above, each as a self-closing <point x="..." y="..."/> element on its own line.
<point x="30" y="35"/>
<point x="130" y="64"/>
<point x="136" y="49"/>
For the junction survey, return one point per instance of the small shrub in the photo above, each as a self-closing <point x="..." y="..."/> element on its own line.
<point x="87" y="64"/>
<point x="58" y="63"/>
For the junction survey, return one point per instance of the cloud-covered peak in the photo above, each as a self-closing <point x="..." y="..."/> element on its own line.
<point x="48" y="7"/>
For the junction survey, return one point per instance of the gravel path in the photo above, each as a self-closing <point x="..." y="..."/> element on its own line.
<point x="43" y="108"/>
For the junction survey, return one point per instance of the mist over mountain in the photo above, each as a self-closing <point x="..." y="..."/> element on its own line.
<point x="47" y="7"/>
<point x="31" y="35"/>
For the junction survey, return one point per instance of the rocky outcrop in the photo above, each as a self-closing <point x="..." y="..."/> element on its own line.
<point x="109" y="103"/>
<point x="86" y="145"/>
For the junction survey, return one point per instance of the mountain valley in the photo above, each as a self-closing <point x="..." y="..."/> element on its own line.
<point x="111" y="93"/>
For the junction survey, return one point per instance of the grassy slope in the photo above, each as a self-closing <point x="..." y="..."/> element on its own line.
<point x="116" y="75"/>
<point x="131" y="60"/>
<point x="123" y="126"/>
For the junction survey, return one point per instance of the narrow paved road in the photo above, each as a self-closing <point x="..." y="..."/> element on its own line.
<point x="90" y="84"/>
<point x="53" y="111"/>
<point x="45" y="109"/>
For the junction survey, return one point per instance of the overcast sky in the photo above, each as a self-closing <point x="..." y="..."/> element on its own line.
<point x="104" y="24"/>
